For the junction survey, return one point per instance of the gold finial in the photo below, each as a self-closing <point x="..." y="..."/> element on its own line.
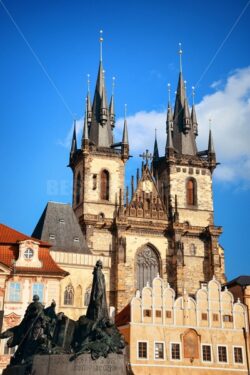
<point x="193" y="93"/>
<point x="180" y="54"/>
<point x="169" y="92"/>
<point x="125" y="111"/>
<point x="101" y="41"/>
<point x="113" y="85"/>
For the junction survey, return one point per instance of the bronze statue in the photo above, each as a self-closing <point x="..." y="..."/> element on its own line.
<point x="42" y="331"/>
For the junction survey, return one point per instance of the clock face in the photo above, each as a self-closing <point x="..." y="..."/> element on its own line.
<point x="29" y="253"/>
<point x="147" y="186"/>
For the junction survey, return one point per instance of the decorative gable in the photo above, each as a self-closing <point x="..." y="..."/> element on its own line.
<point x="28" y="254"/>
<point x="146" y="201"/>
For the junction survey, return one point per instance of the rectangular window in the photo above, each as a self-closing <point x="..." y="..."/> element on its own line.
<point x="158" y="313"/>
<point x="227" y="318"/>
<point x="206" y="353"/>
<point x="238" y="355"/>
<point x="222" y="354"/>
<point x="159" y="350"/>
<point x="204" y="316"/>
<point x="38" y="290"/>
<point x="147" y="313"/>
<point x="215" y="317"/>
<point x="142" y="349"/>
<point x="168" y="314"/>
<point x="175" y="351"/>
<point x="15" y="292"/>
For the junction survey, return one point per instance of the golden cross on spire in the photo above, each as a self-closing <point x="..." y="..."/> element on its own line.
<point x="146" y="156"/>
<point x="101" y="41"/>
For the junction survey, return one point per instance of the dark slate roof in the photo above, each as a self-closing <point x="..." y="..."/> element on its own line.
<point x="240" y="280"/>
<point x="58" y="225"/>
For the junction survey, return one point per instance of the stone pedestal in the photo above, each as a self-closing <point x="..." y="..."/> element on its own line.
<point x="114" y="364"/>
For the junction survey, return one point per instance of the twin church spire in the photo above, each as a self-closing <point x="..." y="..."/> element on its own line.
<point x="99" y="119"/>
<point x="182" y="127"/>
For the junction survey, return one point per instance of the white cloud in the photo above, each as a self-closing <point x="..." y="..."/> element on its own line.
<point x="229" y="109"/>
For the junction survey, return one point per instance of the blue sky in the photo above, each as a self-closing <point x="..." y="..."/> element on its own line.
<point x="48" y="48"/>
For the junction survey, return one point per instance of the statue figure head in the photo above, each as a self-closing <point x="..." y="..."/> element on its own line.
<point x="35" y="298"/>
<point x="99" y="264"/>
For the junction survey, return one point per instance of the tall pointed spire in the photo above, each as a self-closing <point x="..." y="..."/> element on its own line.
<point x="169" y="121"/>
<point x="156" y="150"/>
<point x="211" y="149"/>
<point x="73" y="142"/>
<point x="112" y="105"/>
<point x="183" y="137"/>
<point x="193" y="115"/>
<point x="100" y="133"/>
<point x="125" y="127"/>
<point x="125" y="144"/>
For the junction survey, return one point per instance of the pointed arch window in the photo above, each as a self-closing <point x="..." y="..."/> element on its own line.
<point x="69" y="295"/>
<point x="105" y="185"/>
<point x="191" y="190"/>
<point x="147" y="266"/>
<point x="78" y="188"/>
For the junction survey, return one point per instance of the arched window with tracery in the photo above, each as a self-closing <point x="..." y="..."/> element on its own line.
<point x="105" y="185"/>
<point x="191" y="189"/>
<point x="147" y="266"/>
<point x="78" y="188"/>
<point x="69" y="295"/>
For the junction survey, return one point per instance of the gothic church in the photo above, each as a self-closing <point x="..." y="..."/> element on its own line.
<point x="163" y="224"/>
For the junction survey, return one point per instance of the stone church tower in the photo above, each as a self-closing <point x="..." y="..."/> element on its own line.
<point x="164" y="223"/>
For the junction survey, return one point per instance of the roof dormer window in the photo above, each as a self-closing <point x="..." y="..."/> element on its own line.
<point x="52" y="236"/>
<point x="28" y="253"/>
<point x="76" y="239"/>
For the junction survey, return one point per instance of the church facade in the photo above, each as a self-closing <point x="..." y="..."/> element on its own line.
<point x="164" y="224"/>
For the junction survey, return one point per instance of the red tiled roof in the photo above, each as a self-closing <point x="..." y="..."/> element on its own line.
<point x="124" y="316"/>
<point x="9" y="252"/>
<point x="10" y="236"/>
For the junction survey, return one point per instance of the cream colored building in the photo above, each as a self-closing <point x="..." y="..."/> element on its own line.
<point x="26" y="269"/>
<point x="178" y="335"/>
